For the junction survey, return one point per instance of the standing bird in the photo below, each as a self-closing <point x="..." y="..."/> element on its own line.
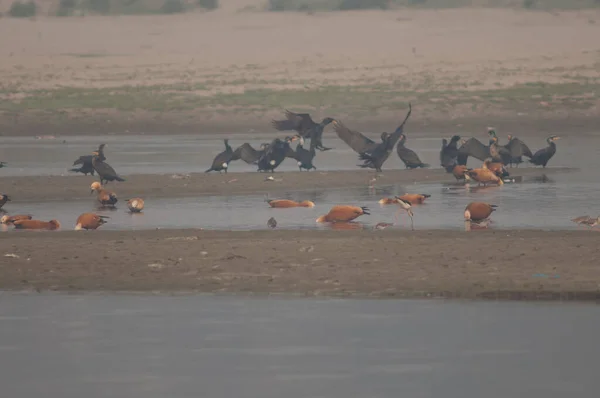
<point x="485" y="176"/>
<point x="104" y="197"/>
<point x="305" y="157"/>
<point x="86" y="162"/>
<point x="37" y="224"/>
<point x="16" y="217"/>
<point x="276" y="153"/>
<point x="478" y="213"/>
<point x="303" y="124"/>
<point x="272" y="223"/>
<point x="460" y="172"/>
<point x="342" y="213"/>
<point x="408" y="156"/>
<point x="104" y="170"/>
<point x="135" y="205"/>
<point x="373" y="155"/>
<point x="3" y="199"/>
<point x="496" y="167"/>
<point x="517" y="149"/>
<point x="449" y="153"/>
<point x="89" y="221"/>
<point x="221" y="161"/>
<point x="541" y="157"/>
<point x="405" y="205"/>
<point x="3" y="164"/>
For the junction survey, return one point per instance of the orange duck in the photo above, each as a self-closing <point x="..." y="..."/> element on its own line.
<point x="285" y="203"/>
<point x="478" y="213"/>
<point x="106" y="198"/>
<point x="135" y="205"/>
<point x="37" y="224"/>
<point x="460" y="172"/>
<point x="11" y="219"/>
<point x="496" y="167"/>
<point x="414" y="198"/>
<point x="89" y="221"/>
<point x="343" y="213"/>
<point x="485" y="176"/>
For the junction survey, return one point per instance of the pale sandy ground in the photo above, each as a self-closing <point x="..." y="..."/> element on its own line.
<point x="478" y="264"/>
<point x="231" y="51"/>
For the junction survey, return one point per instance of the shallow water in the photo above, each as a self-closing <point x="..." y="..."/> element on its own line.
<point x="147" y="346"/>
<point x="531" y="204"/>
<point x="146" y="154"/>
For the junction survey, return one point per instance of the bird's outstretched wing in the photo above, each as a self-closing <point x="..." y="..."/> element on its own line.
<point x="474" y="148"/>
<point x="355" y="140"/>
<point x="294" y="121"/>
<point x="516" y="147"/>
<point x="246" y="153"/>
<point x="395" y="136"/>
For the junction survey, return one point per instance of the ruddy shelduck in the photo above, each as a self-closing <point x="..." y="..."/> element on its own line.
<point x="37" y="224"/>
<point x="285" y="203"/>
<point x="106" y="198"/>
<point x="495" y="167"/>
<point x="478" y="213"/>
<point x="460" y="172"/>
<point x="135" y="205"/>
<point x="11" y="219"/>
<point x="343" y="213"/>
<point x="587" y="221"/>
<point x="89" y="221"/>
<point x="485" y="176"/>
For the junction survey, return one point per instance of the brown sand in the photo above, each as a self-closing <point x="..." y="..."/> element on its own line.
<point x="389" y="263"/>
<point x="52" y="188"/>
<point x="234" y="69"/>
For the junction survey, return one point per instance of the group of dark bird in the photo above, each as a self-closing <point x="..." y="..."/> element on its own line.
<point x="373" y="154"/>
<point x="95" y="163"/>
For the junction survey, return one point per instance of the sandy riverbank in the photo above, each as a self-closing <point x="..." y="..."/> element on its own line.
<point x="481" y="264"/>
<point x="53" y="188"/>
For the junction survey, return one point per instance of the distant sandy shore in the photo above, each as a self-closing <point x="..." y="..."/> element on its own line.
<point x="480" y="264"/>
<point x="53" y="188"/>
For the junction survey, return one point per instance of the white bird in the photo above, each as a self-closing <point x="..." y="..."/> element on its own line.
<point x="405" y="206"/>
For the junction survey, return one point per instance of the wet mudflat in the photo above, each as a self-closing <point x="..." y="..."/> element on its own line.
<point x="148" y="346"/>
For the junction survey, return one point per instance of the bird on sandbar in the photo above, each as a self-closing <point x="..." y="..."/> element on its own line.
<point x="478" y="213"/>
<point x="343" y="213"/>
<point x="106" y="198"/>
<point x="221" y="161"/>
<point x="86" y="162"/>
<point x="542" y="156"/>
<point x="496" y="167"/>
<point x="409" y="157"/>
<point x="285" y="203"/>
<point x="272" y="223"/>
<point x="11" y="219"/>
<point x="135" y="205"/>
<point x="104" y="170"/>
<point x="37" y="224"/>
<point x="587" y="221"/>
<point x="484" y="176"/>
<point x="460" y="172"/>
<point x="89" y="221"/>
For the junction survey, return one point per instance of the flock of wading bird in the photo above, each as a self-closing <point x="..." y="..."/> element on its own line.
<point x="269" y="156"/>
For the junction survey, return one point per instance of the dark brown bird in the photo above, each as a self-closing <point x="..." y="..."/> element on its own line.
<point x="221" y="161"/>
<point x="86" y="162"/>
<point x="373" y="155"/>
<point x="276" y="153"/>
<point x="248" y="154"/>
<point x="37" y="224"/>
<point x="104" y="170"/>
<point x="89" y="221"/>
<point x="106" y="198"/>
<point x="409" y="157"/>
<point x="272" y="223"/>
<point x="541" y="157"/>
<point x="305" y="126"/>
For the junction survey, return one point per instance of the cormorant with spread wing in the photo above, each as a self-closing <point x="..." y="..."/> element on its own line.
<point x="305" y="156"/>
<point x="408" y="156"/>
<point x="517" y="149"/>
<point x="248" y="154"/>
<point x="305" y="126"/>
<point x="372" y="154"/>
<point x="276" y="153"/>
<point x="449" y="153"/>
<point x="86" y="162"/>
<point x="541" y="157"/>
<point x="221" y="161"/>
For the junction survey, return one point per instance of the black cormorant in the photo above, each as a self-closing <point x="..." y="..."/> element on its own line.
<point x="541" y="157"/>
<point x="408" y="156"/>
<point x="221" y="161"/>
<point x="305" y="126"/>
